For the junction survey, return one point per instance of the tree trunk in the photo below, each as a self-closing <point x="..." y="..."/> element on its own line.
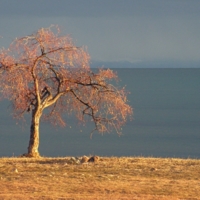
<point x="34" y="134"/>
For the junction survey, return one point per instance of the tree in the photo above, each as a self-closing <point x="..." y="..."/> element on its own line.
<point x="46" y="71"/>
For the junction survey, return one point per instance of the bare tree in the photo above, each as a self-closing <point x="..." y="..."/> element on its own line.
<point x="47" y="71"/>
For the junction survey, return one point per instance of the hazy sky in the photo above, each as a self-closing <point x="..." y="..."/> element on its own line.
<point x="113" y="30"/>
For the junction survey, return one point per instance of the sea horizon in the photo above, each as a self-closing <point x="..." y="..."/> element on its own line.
<point x="166" y="121"/>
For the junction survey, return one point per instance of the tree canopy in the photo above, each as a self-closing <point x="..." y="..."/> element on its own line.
<point x="48" y="71"/>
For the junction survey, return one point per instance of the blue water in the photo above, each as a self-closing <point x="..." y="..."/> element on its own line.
<point x="166" y="121"/>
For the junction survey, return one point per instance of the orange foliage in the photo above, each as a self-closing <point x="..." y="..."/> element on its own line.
<point x="47" y="70"/>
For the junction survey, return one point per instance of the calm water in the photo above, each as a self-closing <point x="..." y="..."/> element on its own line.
<point x="166" y="121"/>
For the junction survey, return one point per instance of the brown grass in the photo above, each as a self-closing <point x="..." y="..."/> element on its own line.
<point x="110" y="178"/>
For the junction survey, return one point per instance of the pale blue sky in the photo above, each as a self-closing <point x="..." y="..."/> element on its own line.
<point x="137" y="31"/>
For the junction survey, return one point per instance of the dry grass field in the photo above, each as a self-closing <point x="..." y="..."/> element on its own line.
<point x="109" y="178"/>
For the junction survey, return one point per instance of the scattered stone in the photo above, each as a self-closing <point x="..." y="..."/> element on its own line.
<point x="94" y="159"/>
<point x="15" y="170"/>
<point x="84" y="159"/>
<point x="153" y="169"/>
<point x="74" y="160"/>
